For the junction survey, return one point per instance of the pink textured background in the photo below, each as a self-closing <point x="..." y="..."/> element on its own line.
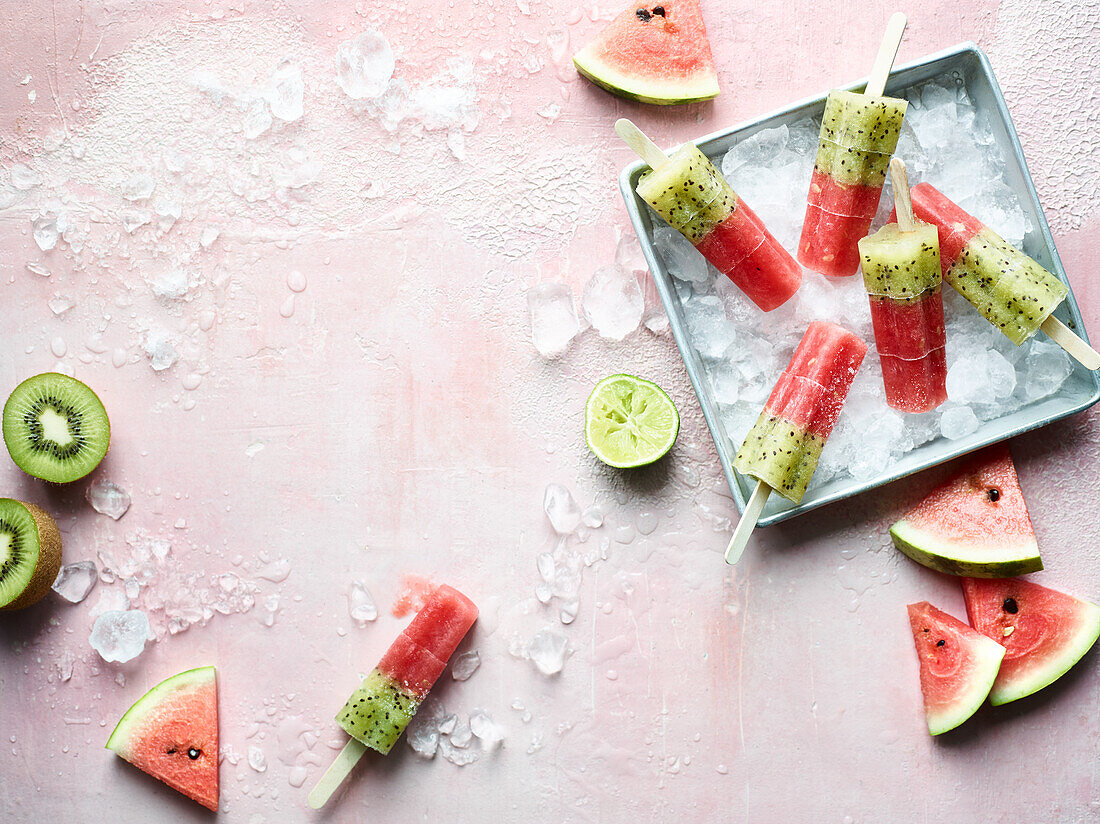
<point x="408" y="425"/>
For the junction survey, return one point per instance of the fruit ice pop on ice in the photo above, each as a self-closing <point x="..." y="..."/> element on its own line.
<point x="693" y="197"/>
<point x="1008" y="288"/>
<point x="783" y="447"/>
<point x="901" y="272"/>
<point x="859" y="133"/>
<point x="382" y="706"/>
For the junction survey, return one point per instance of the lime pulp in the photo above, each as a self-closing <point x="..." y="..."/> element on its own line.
<point x="629" y="421"/>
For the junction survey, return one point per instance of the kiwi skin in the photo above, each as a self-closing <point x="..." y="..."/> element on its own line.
<point x="49" y="559"/>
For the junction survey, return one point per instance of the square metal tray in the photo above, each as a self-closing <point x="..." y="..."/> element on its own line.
<point x="1080" y="390"/>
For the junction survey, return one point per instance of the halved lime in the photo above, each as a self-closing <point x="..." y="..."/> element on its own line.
<point x="629" y="421"/>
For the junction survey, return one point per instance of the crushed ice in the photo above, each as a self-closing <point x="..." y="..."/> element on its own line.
<point x="120" y="635"/>
<point x="75" y="581"/>
<point x="108" y="498"/>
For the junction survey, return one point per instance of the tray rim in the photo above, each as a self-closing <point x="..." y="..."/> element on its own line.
<point x="662" y="280"/>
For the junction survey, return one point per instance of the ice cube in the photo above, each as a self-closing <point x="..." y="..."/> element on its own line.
<point x="958" y="422"/>
<point x="170" y="283"/>
<point x="361" y="605"/>
<point x="44" y="231"/>
<point x="488" y="731"/>
<point x="285" y="91"/>
<point x="364" y="65"/>
<point x="980" y="377"/>
<point x="547" y="651"/>
<point x="725" y="383"/>
<point x="256" y="759"/>
<point x="569" y="609"/>
<point x="711" y="332"/>
<point x="60" y="304"/>
<point x="24" y="178"/>
<point x="257" y="119"/>
<point x="593" y="517"/>
<point x="158" y="346"/>
<point x="628" y="254"/>
<point x="65" y="662"/>
<point x="108" y="498"/>
<point x="139" y="186"/>
<point x="561" y="509"/>
<point x="120" y="635"/>
<point x="134" y="219"/>
<point x="459" y="756"/>
<point x="447" y="723"/>
<point x="465" y="664"/>
<point x="554" y="321"/>
<point x="1045" y="369"/>
<point x="423" y="731"/>
<point x="74" y="581"/>
<point x="681" y="259"/>
<point x="613" y="302"/>
<point x="461" y="735"/>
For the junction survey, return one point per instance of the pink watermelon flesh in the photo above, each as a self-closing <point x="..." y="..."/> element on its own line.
<point x="975" y="523"/>
<point x="657" y="53"/>
<point x="172" y="734"/>
<point x="1047" y="631"/>
<point x="957" y="666"/>
<point x="442" y="622"/>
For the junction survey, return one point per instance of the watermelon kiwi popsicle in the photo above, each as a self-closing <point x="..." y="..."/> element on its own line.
<point x="380" y="709"/>
<point x="782" y="449"/>
<point x="859" y="133"/>
<point x="901" y="272"/>
<point x="693" y="197"/>
<point x="1010" y="290"/>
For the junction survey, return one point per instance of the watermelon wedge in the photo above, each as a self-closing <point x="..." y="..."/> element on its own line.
<point x="957" y="666"/>
<point x="975" y="524"/>
<point x="1044" y="632"/>
<point x="172" y="734"/>
<point x="655" y="54"/>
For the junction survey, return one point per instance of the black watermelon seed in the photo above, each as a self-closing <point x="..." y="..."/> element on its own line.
<point x="193" y="754"/>
<point x="940" y="643"/>
<point x="993" y="494"/>
<point x="1010" y="606"/>
<point x="643" y="15"/>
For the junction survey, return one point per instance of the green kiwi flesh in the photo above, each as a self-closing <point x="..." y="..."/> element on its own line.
<point x="56" y="428"/>
<point x="30" y="553"/>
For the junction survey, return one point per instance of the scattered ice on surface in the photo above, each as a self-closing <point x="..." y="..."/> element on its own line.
<point x="593" y="517"/>
<point x="682" y="260"/>
<point x="134" y="219"/>
<point x="256" y="758"/>
<point x="459" y="756"/>
<point x="461" y="735"/>
<point x="208" y="236"/>
<point x="170" y="283"/>
<point x="423" y="731"/>
<point x="120" y="635"/>
<point x="569" y="610"/>
<point x="65" y="662"/>
<point x="547" y="651"/>
<point x="74" y="581"/>
<point x="465" y="664"/>
<point x="545" y="564"/>
<point x="364" y="66"/>
<point x="447" y="723"/>
<point x="488" y="731"/>
<point x="554" y="321"/>
<point x="139" y="186"/>
<point x="958" y="422"/>
<point x="361" y="606"/>
<point x="561" y="509"/>
<point x="44" y="231"/>
<point x="60" y="304"/>
<point x="158" y="346"/>
<point x="168" y="212"/>
<point x="285" y="91"/>
<point x="257" y="119"/>
<point x="108" y="498"/>
<point x="613" y="302"/>
<point x="744" y="350"/>
<point x="24" y="178"/>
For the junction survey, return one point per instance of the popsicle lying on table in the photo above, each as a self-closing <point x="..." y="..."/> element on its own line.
<point x="380" y="709"/>
<point x="691" y="195"/>
<point x="901" y="272"/>
<point x="782" y="449"/>
<point x="1011" y="290"/>
<point x="859" y="133"/>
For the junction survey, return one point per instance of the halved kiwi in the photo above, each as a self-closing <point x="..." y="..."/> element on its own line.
<point x="56" y="428"/>
<point x="30" y="553"/>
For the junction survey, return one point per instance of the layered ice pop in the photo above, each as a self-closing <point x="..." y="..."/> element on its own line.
<point x="1007" y="287"/>
<point x="693" y="197"/>
<point x="901" y="272"/>
<point x="859" y="133"/>
<point x="380" y="709"/>
<point x="783" y="447"/>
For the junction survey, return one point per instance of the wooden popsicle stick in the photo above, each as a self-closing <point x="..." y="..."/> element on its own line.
<point x="884" y="61"/>
<point x="902" y="200"/>
<point x="748" y="521"/>
<point x="637" y="140"/>
<point x="339" y="770"/>
<point x="1064" y="337"/>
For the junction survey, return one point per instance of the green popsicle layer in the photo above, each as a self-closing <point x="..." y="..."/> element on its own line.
<point x="901" y="265"/>
<point x="377" y="712"/>
<point x="858" y="136"/>
<point x="689" y="193"/>
<point x="780" y="454"/>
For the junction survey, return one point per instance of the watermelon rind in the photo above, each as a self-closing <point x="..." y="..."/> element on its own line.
<point x="988" y="656"/>
<point x="1087" y="634"/>
<point x="644" y="90"/>
<point x="965" y="558"/>
<point x="121" y="737"/>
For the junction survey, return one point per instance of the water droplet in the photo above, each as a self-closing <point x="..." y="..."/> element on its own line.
<point x="58" y="347"/>
<point x="287" y="309"/>
<point x="296" y="281"/>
